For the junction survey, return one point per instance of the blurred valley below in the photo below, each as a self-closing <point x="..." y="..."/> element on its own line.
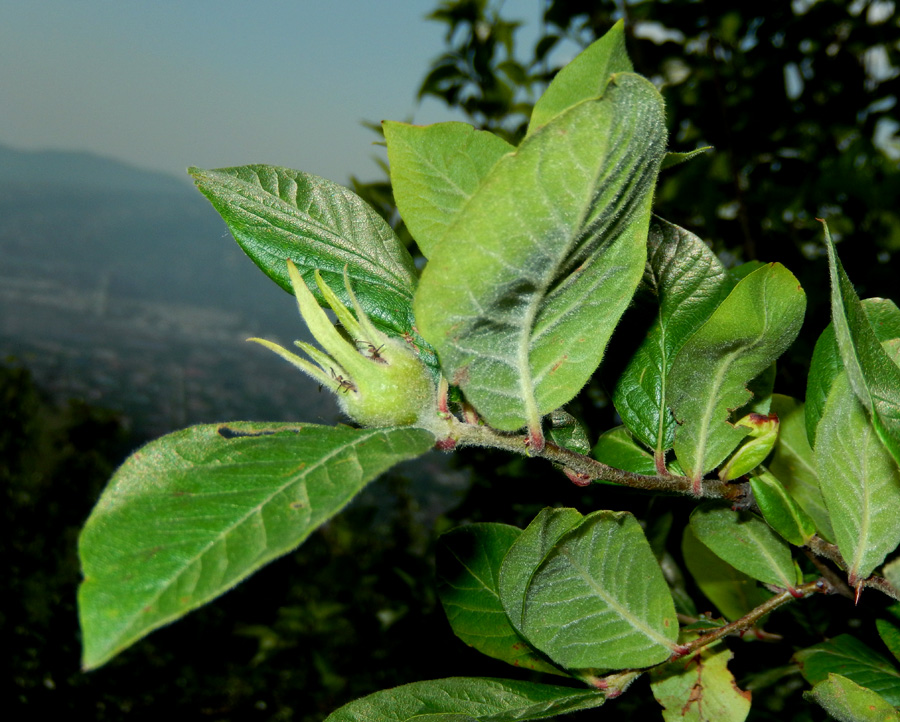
<point x="123" y="288"/>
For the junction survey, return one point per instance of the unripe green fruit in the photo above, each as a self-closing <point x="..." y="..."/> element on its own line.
<point x="395" y="391"/>
<point x="379" y="380"/>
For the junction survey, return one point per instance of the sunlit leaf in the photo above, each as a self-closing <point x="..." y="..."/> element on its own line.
<point x="746" y="542"/>
<point x="794" y="464"/>
<point x="859" y="479"/>
<point x="890" y="635"/>
<point x="826" y="364"/>
<point x="847" y="656"/>
<point x="276" y="214"/>
<point x="521" y="296"/>
<point x="618" y="449"/>
<point x="468" y="572"/>
<point x="689" y="282"/>
<point x="874" y="376"/>
<point x="568" y="432"/>
<point x="583" y="78"/>
<point x="892" y="573"/>
<point x="780" y="510"/>
<point x="193" y="513"/>
<point x="700" y="688"/>
<point x="496" y="700"/>
<point x="750" y="329"/>
<point x="599" y="599"/>
<point x="847" y="701"/>
<point x="435" y="170"/>
<point x="526" y="554"/>
<point x="733" y="592"/>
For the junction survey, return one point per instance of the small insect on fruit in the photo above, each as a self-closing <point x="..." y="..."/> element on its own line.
<point x="343" y="384"/>
<point x="372" y="351"/>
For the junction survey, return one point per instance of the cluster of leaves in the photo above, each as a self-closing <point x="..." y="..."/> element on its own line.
<point x="534" y="252"/>
<point x="794" y="98"/>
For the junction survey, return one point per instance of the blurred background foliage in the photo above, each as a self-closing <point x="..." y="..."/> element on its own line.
<point x="798" y="100"/>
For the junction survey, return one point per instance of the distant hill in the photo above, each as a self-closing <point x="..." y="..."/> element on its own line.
<point x="83" y="170"/>
<point x="123" y="287"/>
<point x="89" y="221"/>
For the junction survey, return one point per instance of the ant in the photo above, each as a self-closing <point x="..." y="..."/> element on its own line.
<point x="343" y="384"/>
<point x="373" y="351"/>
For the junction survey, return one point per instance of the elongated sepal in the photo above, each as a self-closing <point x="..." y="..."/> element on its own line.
<point x="292" y="358"/>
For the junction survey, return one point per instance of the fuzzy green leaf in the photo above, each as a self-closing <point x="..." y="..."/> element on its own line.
<point x="527" y="553"/>
<point x="874" y="376"/>
<point x="794" y="464"/>
<point x="276" y="214"/>
<point x="618" y="449"/>
<point x="826" y="362"/>
<point x="700" y="688"/>
<point x="599" y="599"/>
<point x="521" y="296"/>
<point x="468" y="573"/>
<point x="780" y="510"/>
<point x="859" y="479"/>
<point x="689" y="282"/>
<point x="435" y="170"/>
<point x="482" y="698"/>
<point x="673" y="159"/>
<point x="890" y="635"/>
<point x="847" y="656"/>
<point x="750" y="329"/>
<point x="746" y="542"/>
<point x="892" y="573"/>
<point x="191" y="514"/>
<point x="846" y="701"/>
<point x="585" y="77"/>
<point x="568" y="432"/>
<point x="733" y="592"/>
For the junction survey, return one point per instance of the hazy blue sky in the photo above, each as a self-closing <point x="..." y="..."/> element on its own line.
<point x="170" y="83"/>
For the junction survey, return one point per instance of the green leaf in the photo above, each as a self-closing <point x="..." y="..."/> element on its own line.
<point x="847" y="656"/>
<point x="599" y="599"/>
<point x="673" y="159"/>
<point x="689" y="282"/>
<point x="583" y="78"/>
<point x="859" y="479"/>
<point x="755" y="447"/>
<point x="780" y="510"/>
<point x="435" y="170"/>
<point x="733" y="592"/>
<point x="746" y="542"/>
<point x="568" y="432"/>
<point x="468" y="572"/>
<point x="890" y="635"/>
<point x="483" y="698"/>
<point x="191" y="514"/>
<point x="523" y="293"/>
<point x="618" y="449"/>
<point x="874" y="376"/>
<point x="892" y="573"/>
<point x="826" y="362"/>
<point x="527" y="553"/>
<point x="700" y="688"/>
<point x="794" y="464"/>
<point x="749" y="330"/>
<point x="276" y="214"/>
<point x="846" y="701"/>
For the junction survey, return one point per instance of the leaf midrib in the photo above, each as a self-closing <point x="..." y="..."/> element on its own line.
<point x="633" y="621"/>
<point x="129" y="622"/>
